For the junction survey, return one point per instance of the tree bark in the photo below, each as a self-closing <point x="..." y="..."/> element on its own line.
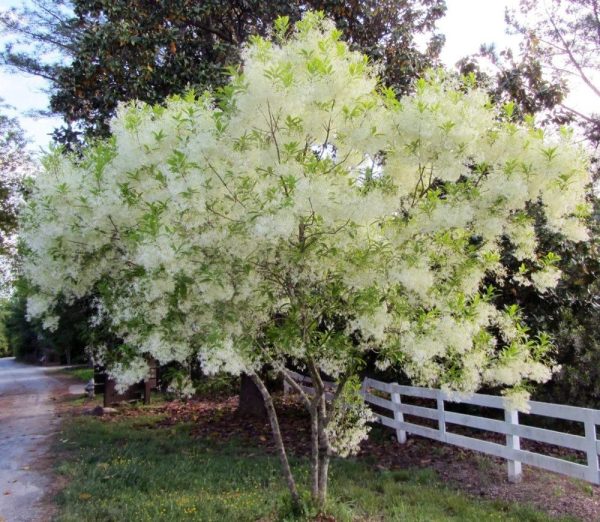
<point x="324" y="459"/>
<point x="324" y="452"/>
<point x="314" y="450"/>
<point x="321" y="466"/>
<point x="272" y="414"/>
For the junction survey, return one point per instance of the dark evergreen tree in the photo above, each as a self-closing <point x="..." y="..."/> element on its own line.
<point x="560" y="45"/>
<point x="119" y="50"/>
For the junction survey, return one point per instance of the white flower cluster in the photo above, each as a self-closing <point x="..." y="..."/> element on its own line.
<point x="129" y="373"/>
<point x="182" y="388"/>
<point x="349" y="424"/>
<point x="309" y="215"/>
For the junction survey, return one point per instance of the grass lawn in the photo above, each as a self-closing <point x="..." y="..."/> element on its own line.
<point x="130" y="470"/>
<point x="81" y="373"/>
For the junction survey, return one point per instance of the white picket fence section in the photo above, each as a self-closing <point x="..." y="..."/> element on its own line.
<point x="375" y="391"/>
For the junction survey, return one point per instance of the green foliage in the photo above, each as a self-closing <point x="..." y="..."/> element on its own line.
<point x="5" y="348"/>
<point x="558" y="49"/>
<point x="290" y="252"/>
<point x="28" y="340"/>
<point x="15" y="164"/>
<point x="121" y="50"/>
<point x="220" y="384"/>
<point x="81" y="374"/>
<point x="571" y="315"/>
<point x="126" y="470"/>
<point x="22" y="336"/>
<point x="519" y="83"/>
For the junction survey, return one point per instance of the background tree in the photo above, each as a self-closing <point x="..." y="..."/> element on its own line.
<point x="27" y="339"/>
<point x="519" y="79"/>
<point x="564" y="37"/>
<point x="114" y="51"/>
<point x="5" y="348"/>
<point x="561" y="39"/>
<point x="558" y="51"/>
<point x="15" y="163"/>
<point x="18" y="336"/>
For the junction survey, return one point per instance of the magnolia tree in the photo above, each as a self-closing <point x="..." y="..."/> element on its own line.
<point x="307" y="218"/>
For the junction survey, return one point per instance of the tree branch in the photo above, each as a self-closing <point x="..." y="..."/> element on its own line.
<point x="572" y="58"/>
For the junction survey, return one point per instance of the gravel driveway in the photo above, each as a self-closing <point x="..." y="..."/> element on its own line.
<point x="27" y="421"/>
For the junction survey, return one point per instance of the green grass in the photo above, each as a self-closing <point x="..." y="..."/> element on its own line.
<point x="83" y="374"/>
<point x="128" y="470"/>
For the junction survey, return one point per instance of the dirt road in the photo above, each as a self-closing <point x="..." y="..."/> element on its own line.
<point x="27" y="421"/>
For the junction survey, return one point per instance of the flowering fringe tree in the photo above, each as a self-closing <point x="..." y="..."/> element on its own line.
<point x="306" y="219"/>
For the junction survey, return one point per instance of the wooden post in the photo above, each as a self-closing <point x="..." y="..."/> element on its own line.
<point x="398" y="417"/>
<point x="147" y="388"/>
<point x="441" y="417"/>
<point x="591" y="444"/>
<point x="515" y="472"/>
<point x="364" y="387"/>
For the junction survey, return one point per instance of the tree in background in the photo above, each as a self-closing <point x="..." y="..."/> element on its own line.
<point x="5" y="348"/>
<point x="18" y="336"/>
<point x="98" y="53"/>
<point x="564" y="37"/>
<point x="26" y="339"/>
<point x="559" y="49"/>
<point x="15" y="163"/>
<point x="518" y="79"/>
<point x="310" y="218"/>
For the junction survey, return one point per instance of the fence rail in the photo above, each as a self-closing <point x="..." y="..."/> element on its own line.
<point x="388" y="396"/>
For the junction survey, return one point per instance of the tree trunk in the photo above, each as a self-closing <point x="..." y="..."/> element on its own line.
<point x="272" y="414"/>
<point x="323" y="476"/>
<point x="319" y="418"/>
<point x="251" y="400"/>
<point x="324" y="452"/>
<point x="314" y="450"/>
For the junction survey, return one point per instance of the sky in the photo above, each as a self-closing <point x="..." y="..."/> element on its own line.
<point x="467" y="25"/>
<point x="470" y="23"/>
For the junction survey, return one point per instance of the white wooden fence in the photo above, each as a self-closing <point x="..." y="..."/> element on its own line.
<point x="389" y="396"/>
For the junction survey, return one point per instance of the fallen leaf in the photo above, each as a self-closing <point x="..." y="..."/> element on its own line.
<point x="84" y="496"/>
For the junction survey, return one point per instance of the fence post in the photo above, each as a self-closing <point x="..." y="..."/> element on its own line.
<point x="593" y="470"/>
<point x="515" y="472"/>
<point x="363" y="387"/>
<point x="441" y="417"/>
<point x="398" y="417"/>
